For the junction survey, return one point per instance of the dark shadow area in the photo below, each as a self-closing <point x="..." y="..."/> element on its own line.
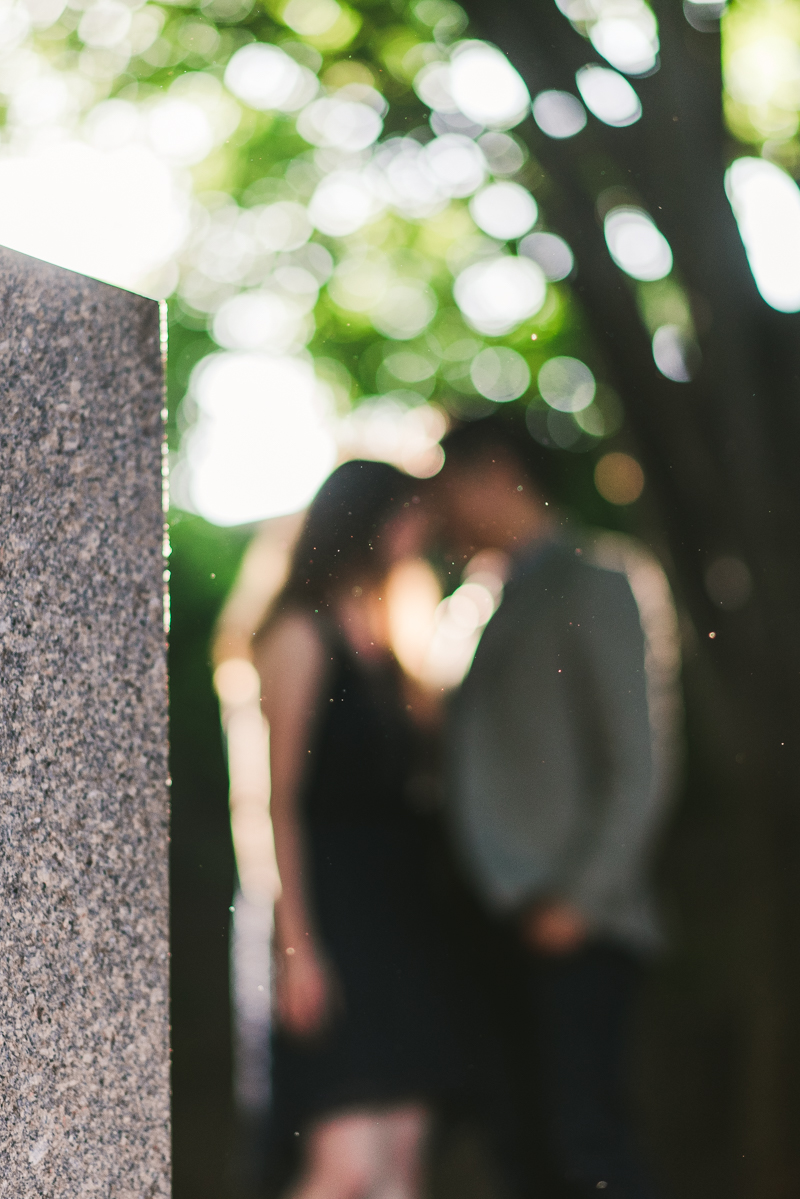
<point x="203" y="565"/>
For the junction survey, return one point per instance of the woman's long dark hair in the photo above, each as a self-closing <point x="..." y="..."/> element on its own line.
<point x="340" y="542"/>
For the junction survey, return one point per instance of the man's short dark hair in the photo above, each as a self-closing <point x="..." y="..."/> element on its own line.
<point x="505" y="435"/>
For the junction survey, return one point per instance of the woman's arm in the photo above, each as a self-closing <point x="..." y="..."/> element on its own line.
<point x="291" y="663"/>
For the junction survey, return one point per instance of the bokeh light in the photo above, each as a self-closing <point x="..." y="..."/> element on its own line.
<point x="504" y="155"/>
<point x="485" y="86"/>
<point x="407" y="183"/>
<point x="498" y="294"/>
<point x="283" y="225"/>
<point x="636" y="245"/>
<point x="761" y="72"/>
<point x="604" y="416"/>
<point x="504" y="210"/>
<point x="608" y="96"/>
<point x="99" y="195"/>
<point x="342" y="202"/>
<point x="432" y="85"/>
<point x="404" y="310"/>
<point x="673" y="353"/>
<point x="704" y="15"/>
<point x="360" y="281"/>
<point x="500" y="374"/>
<point x="761" y="65"/>
<point x="624" y="32"/>
<point x="559" y="114"/>
<point x="346" y="124"/>
<point x="552" y="428"/>
<point x="179" y="130"/>
<point x="619" y="478"/>
<point x="766" y="203"/>
<point x="551" y="252"/>
<point x="396" y="428"/>
<point x="630" y="45"/>
<point x="456" y="163"/>
<point x="265" y="77"/>
<point x="566" y="384"/>
<point x="460" y="619"/>
<point x="262" y="320"/>
<point x="262" y="445"/>
<point x="104" y="23"/>
<point x="311" y="17"/>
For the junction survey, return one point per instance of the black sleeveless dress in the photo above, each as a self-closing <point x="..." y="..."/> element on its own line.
<point x="372" y="861"/>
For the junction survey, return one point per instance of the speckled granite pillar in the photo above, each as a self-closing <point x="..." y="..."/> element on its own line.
<point x="84" y="1097"/>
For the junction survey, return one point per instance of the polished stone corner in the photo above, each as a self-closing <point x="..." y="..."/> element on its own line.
<point x="84" y="1035"/>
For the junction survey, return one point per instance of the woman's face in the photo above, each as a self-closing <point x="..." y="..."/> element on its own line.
<point x="404" y="535"/>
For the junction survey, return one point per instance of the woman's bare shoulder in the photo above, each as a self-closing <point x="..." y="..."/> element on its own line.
<point x="291" y="648"/>
<point x="294" y="630"/>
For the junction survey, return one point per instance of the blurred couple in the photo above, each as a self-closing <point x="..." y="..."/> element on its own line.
<point x="553" y="796"/>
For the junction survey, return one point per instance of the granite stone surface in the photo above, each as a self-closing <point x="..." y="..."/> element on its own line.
<point x="84" y="1036"/>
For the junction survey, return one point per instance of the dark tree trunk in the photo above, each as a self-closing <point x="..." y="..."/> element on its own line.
<point x="720" y="1053"/>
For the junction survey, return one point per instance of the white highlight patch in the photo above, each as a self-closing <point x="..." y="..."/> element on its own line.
<point x="766" y="203"/>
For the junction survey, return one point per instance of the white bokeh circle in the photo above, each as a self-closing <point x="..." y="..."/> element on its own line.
<point x="551" y="252"/>
<point x="343" y="124"/>
<point x="485" y="86"/>
<point x="559" y="114"/>
<point x="499" y="293"/>
<point x="504" y="210"/>
<point x="404" y="310"/>
<point x="608" y="95"/>
<point x="262" y="446"/>
<point x="636" y="244"/>
<point x="342" y="202"/>
<point x="566" y="384"/>
<point x="766" y="204"/>
<point x="265" y="77"/>
<point x="500" y="374"/>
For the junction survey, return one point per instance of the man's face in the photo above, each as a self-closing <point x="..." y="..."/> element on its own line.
<point x="475" y="503"/>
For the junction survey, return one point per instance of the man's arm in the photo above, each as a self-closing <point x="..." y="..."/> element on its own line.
<point x="611" y="645"/>
<point x="292" y="665"/>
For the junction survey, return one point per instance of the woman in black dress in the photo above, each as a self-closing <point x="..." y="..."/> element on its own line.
<point x="364" y="1045"/>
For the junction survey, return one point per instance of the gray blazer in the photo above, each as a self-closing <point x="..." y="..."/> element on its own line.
<point x="557" y="763"/>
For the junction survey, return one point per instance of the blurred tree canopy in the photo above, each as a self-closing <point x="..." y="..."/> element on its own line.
<point x="333" y="192"/>
<point x="394" y="228"/>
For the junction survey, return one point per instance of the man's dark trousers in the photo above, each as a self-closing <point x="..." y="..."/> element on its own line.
<point x="582" y="1004"/>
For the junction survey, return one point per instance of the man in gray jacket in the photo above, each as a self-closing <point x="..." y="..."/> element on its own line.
<point x="559" y="747"/>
